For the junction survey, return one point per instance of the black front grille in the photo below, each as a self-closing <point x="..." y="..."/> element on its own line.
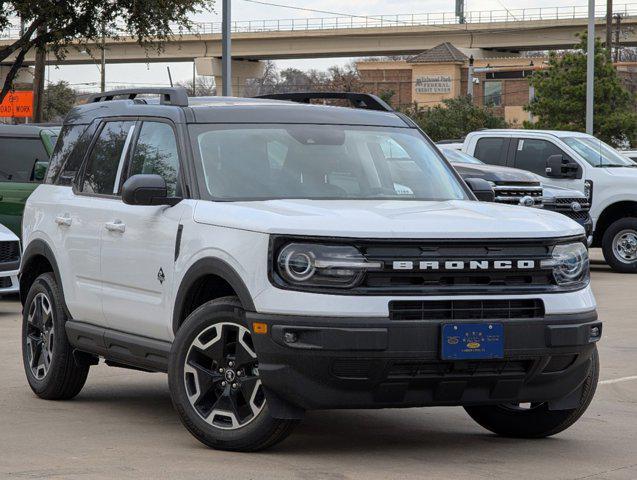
<point x="465" y="280"/>
<point x="5" y="282"/>
<point x="9" y="252"/>
<point x="466" y="309"/>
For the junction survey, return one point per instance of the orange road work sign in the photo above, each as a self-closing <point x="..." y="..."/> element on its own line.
<point x="18" y="104"/>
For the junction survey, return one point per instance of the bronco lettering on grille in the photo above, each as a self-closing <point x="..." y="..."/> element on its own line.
<point x="459" y="265"/>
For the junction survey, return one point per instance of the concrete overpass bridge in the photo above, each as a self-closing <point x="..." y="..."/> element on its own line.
<point x="508" y="31"/>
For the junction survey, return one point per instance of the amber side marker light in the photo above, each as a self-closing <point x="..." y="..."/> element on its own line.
<point x="259" y="328"/>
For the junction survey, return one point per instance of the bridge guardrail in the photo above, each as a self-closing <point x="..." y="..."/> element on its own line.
<point x="398" y="20"/>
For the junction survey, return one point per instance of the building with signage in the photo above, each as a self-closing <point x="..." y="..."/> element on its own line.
<point x="499" y="81"/>
<point x="443" y="72"/>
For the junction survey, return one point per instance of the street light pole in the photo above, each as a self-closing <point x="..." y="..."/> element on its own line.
<point x="226" y="50"/>
<point x="590" y="67"/>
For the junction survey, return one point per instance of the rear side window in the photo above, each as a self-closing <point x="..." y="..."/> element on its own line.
<point x="492" y="150"/>
<point x="104" y="165"/>
<point x="18" y="157"/>
<point x="156" y="153"/>
<point x="68" y="139"/>
<point x="531" y="154"/>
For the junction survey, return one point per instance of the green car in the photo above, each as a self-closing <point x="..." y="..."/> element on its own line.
<point x="24" y="159"/>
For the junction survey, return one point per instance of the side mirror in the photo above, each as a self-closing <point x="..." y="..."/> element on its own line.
<point x="39" y="170"/>
<point x="147" y="189"/>
<point x="559" y="167"/>
<point x="481" y="189"/>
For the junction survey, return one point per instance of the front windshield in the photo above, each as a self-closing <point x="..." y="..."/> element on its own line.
<point x="456" y="156"/>
<point x="597" y="153"/>
<point x="257" y="162"/>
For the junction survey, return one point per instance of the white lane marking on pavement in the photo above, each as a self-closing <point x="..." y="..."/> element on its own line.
<point x="618" y="380"/>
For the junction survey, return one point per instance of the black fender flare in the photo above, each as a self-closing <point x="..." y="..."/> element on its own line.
<point x="39" y="247"/>
<point x="210" y="266"/>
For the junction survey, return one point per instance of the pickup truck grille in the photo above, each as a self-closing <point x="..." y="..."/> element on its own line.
<point x="512" y="194"/>
<point x="565" y="207"/>
<point x="9" y="252"/>
<point x="466" y="309"/>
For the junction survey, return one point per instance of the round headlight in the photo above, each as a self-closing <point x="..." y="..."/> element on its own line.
<point x="570" y="263"/>
<point x="298" y="265"/>
<point x="316" y="265"/>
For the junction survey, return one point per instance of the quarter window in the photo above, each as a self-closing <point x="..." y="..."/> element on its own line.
<point x="103" y="168"/>
<point x="156" y="153"/>
<point x="69" y="137"/>
<point x="531" y="154"/>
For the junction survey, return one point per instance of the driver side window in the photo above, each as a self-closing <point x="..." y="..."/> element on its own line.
<point x="531" y="154"/>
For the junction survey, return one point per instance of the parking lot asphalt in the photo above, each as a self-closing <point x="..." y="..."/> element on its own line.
<point x="122" y="425"/>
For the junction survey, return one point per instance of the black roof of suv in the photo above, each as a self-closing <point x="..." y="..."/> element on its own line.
<point x="174" y="104"/>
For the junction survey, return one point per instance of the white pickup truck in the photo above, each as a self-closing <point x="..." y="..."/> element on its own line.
<point x="580" y="162"/>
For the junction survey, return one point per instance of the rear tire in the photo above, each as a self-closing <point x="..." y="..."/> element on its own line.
<point x="537" y="421"/>
<point x="49" y="364"/>
<point x="214" y="381"/>
<point x="619" y="245"/>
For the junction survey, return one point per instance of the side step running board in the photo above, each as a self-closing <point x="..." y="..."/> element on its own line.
<point x="117" y="347"/>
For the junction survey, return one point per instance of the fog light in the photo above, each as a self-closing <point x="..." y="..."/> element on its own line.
<point x="595" y="332"/>
<point x="290" y="337"/>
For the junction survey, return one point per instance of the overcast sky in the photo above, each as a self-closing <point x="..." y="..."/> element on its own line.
<point x="155" y="73"/>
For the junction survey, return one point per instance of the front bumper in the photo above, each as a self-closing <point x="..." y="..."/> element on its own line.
<point x="377" y="363"/>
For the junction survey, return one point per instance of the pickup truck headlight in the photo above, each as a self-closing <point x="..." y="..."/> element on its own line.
<point x="306" y="264"/>
<point x="570" y="264"/>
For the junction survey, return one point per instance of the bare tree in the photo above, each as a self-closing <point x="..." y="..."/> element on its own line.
<point x="204" y="87"/>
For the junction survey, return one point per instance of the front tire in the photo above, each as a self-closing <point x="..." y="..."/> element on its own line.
<point x="619" y="245"/>
<point x="536" y="421"/>
<point x="49" y="364"/>
<point x="214" y="381"/>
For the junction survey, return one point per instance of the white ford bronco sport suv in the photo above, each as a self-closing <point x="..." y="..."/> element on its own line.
<point x="580" y="162"/>
<point x="275" y="257"/>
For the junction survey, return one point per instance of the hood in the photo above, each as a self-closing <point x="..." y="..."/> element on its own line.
<point x="7" y="235"/>
<point x="494" y="173"/>
<point x="553" y="191"/>
<point x="387" y="219"/>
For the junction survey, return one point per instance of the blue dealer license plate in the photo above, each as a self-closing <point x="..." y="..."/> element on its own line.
<point x="471" y="341"/>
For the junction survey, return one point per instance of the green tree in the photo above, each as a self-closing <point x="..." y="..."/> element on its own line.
<point x="60" y="24"/>
<point x="454" y="118"/>
<point x="59" y="98"/>
<point x="560" y="97"/>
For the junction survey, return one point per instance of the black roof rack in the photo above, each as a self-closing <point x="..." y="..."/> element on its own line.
<point x="177" y="96"/>
<point x="365" y="101"/>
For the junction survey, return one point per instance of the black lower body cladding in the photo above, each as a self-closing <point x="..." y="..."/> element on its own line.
<point x="319" y="363"/>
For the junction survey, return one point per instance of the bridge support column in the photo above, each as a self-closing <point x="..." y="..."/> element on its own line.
<point x="242" y="70"/>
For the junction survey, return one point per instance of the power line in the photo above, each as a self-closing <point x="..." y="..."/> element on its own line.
<point x="303" y="9"/>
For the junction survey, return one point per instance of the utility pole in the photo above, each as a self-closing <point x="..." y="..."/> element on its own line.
<point x="226" y="50"/>
<point x="590" y="67"/>
<point x="103" y="61"/>
<point x="609" y="27"/>
<point x="194" y="78"/>
<point x="618" y="27"/>
<point x="470" y="78"/>
<point x="38" y="80"/>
